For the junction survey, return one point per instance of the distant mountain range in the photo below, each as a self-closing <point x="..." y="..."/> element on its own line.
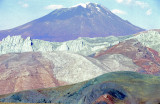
<point x="91" y="20"/>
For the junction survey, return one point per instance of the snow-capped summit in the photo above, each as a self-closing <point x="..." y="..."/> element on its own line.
<point x="82" y="20"/>
<point x="92" y="6"/>
<point x="84" y="5"/>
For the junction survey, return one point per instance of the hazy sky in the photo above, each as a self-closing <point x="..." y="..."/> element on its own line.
<point x="143" y="13"/>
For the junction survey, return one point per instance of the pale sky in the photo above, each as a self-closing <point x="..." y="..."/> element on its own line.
<point x="142" y="13"/>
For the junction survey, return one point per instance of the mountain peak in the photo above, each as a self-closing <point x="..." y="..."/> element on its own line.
<point x="85" y="5"/>
<point x="82" y="20"/>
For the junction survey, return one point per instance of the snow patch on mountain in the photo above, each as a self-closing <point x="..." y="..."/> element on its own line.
<point x="98" y="9"/>
<point x="84" y="5"/>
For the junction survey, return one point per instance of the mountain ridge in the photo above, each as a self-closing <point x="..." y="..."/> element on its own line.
<point x="83" y="45"/>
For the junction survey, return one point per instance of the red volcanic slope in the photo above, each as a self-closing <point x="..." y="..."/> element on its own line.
<point x="26" y="71"/>
<point x="108" y="99"/>
<point x="147" y="58"/>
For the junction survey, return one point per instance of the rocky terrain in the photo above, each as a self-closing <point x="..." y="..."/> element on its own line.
<point x="149" y="38"/>
<point x="33" y="70"/>
<point x="27" y="64"/>
<point x="144" y="57"/>
<point x="91" y="20"/>
<point x="84" y="54"/>
<point x="83" y="46"/>
<point x="110" y="88"/>
<point x="24" y="71"/>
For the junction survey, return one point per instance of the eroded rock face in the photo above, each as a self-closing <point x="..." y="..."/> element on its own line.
<point x="149" y="38"/>
<point x="74" y="68"/>
<point x="147" y="58"/>
<point x="32" y="70"/>
<point x="26" y="71"/>
<point x="118" y="62"/>
<point x="83" y="46"/>
<point x="15" y="44"/>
